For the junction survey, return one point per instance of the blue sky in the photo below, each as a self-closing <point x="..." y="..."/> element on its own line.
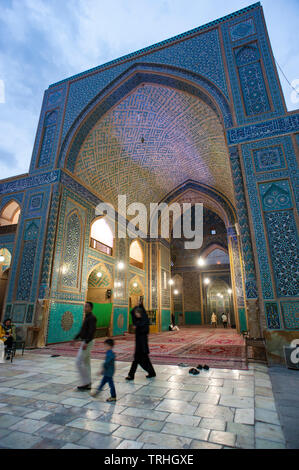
<point x="44" y="41"/>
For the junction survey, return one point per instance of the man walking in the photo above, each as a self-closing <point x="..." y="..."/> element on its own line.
<point x="224" y="320"/>
<point x="86" y="335"/>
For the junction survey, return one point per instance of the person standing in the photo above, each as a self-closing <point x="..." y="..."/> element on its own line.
<point x="7" y="335"/>
<point x="214" y="320"/>
<point x="141" y="323"/>
<point x="224" y="320"/>
<point x="107" y="371"/>
<point x="86" y="335"/>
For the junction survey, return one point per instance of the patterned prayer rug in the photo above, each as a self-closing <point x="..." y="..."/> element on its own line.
<point x="217" y="348"/>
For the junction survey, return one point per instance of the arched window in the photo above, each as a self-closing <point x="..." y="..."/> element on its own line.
<point x="101" y="236"/>
<point x="5" y="259"/>
<point x="136" y="254"/>
<point x="10" y="214"/>
<point x="217" y="256"/>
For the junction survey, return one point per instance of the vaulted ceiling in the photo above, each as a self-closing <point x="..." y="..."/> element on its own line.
<point x="151" y="142"/>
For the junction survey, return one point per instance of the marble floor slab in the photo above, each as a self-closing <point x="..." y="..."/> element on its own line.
<point x="222" y="408"/>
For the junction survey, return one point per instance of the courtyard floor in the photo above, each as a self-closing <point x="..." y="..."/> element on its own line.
<point x="220" y="408"/>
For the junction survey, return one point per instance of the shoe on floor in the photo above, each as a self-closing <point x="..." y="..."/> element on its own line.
<point x="150" y="376"/>
<point x="129" y="378"/>
<point x="199" y="367"/>
<point x="206" y="367"/>
<point x="111" y="399"/>
<point x="194" y="371"/>
<point x="82" y="388"/>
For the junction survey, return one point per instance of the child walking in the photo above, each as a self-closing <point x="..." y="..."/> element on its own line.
<point x="107" y="371"/>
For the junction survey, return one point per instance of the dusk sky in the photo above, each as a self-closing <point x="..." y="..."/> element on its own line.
<point x="44" y="41"/>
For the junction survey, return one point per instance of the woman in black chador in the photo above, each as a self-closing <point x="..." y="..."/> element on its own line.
<point x="141" y="323"/>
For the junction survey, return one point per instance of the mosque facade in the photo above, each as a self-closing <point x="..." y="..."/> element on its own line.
<point x="198" y="118"/>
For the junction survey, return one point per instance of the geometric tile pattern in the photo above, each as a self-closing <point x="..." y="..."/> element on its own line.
<point x="201" y="54"/>
<point x="28" y="258"/>
<point x="103" y="281"/>
<point x="120" y="319"/>
<point x="60" y="327"/>
<point x="51" y="231"/>
<point x="251" y="286"/>
<point x="36" y="202"/>
<point x="71" y="252"/>
<point x="257" y="105"/>
<point x="47" y="146"/>
<point x="47" y="135"/>
<point x="272" y="315"/>
<point x="251" y="79"/>
<point x="268" y="159"/>
<point x="247" y="54"/>
<point x="276" y="195"/>
<point x="254" y="90"/>
<point x="257" y="216"/>
<point x="66" y="261"/>
<point x="290" y="312"/>
<point x="282" y="232"/>
<point x="151" y="142"/>
<point x="242" y="30"/>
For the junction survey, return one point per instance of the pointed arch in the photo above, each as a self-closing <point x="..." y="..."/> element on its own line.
<point x="10" y="213"/>
<point x="173" y="77"/>
<point x="101" y="235"/>
<point x="136" y="254"/>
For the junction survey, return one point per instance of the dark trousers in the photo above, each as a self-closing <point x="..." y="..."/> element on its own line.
<point x="8" y="343"/>
<point x="110" y="382"/>
<point x="144" y="361"/>
<point x="225" y="324"/>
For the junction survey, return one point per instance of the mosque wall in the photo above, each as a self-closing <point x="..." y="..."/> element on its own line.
<point x="230" y="60"/>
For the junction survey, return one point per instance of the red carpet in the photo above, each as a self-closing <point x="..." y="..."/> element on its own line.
<point x="217" y="348"/>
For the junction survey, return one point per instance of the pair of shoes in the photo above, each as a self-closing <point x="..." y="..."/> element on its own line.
<point x="111" y="399"/>
<point x="129" y="378"/>
<point x="205" y="367"/>
<point x="81" y="388"/>
<point x="150" y="376"/>
<point x="194" y="371"/>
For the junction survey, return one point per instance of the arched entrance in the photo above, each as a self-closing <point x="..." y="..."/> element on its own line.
<point x="205" y="267"/>
<point x="99" y="292"/>
<point x="159" y="141"/>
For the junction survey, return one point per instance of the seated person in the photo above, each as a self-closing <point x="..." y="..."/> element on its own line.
<point x="7" y="335"/>
<point x="173" y="327"/>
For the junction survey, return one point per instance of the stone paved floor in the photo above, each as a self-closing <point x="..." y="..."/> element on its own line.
<point x="285" y="384"/>
<point x="221" y="408"/>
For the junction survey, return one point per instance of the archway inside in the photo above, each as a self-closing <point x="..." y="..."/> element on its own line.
<point x="99" y="292"/>
<point x="150" y="145"/>
<point x="197" y="273"/>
